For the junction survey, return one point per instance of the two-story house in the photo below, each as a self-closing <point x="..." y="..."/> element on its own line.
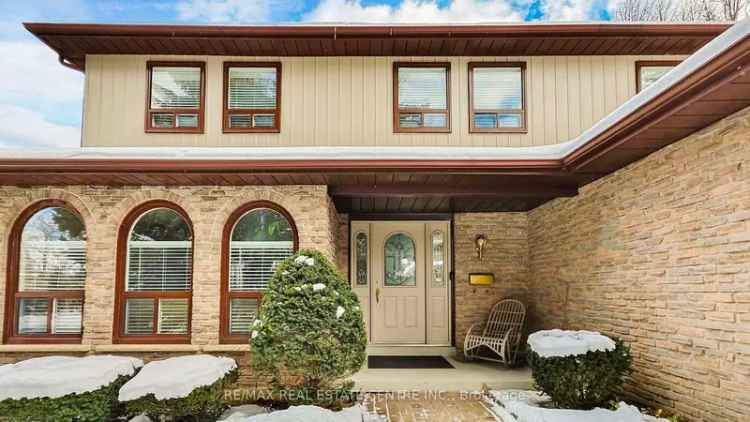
<point x="580" y="153"/>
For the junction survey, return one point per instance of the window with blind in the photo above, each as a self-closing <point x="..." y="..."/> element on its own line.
<point x="421" y="97"/>
<point x="252" y="97"/>
<point x="497" y="102"/>
<point x="157" y="284"/>
<point x="648" y="72"/>
<point x="259" y="238"/>
<point x="175" y="97"/>
<point x="50" y="275"/>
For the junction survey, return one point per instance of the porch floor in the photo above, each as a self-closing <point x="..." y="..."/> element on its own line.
<point x="465" y="376"/>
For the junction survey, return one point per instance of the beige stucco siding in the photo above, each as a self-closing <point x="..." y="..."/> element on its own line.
<point x="348" y="101"/>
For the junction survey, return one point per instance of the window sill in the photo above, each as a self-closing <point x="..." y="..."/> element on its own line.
<point x="122" y="348"/>
<point x="45" y="348"/>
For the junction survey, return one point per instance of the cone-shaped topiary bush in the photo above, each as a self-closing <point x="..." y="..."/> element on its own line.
<point x="310" y="335"/>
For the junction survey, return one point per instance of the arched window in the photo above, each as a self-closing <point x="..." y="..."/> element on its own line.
<point x="257" y="237"/>
<point x="155" y="275"/>
<point x="47" y="263"/>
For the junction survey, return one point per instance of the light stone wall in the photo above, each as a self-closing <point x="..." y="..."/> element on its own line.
<point x="103" y="209"/>
<point x="658" y="253"/>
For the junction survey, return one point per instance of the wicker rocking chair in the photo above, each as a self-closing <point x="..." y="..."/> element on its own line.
<point x="501" y="334"/>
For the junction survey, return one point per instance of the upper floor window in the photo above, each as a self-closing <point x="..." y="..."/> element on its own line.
<point x="257" y="237"/>
<point x="47" y="275"/>
<point x="421" y="97"/>
<point x="649" y="72"/>
<point x="175" y="97"/>
<point x="252" y="97"/>
<point x="497" y="102"/>
<point x="155" y="275"/>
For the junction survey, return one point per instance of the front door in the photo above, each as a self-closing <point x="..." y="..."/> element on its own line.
<point x="400" y="272"/>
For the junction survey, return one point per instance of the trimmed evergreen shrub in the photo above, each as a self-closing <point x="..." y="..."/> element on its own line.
<point x="582" y="381"/>
<point x="94" y="406"/>
<point x="310" y="335"/>
<point x="204" y="404"/>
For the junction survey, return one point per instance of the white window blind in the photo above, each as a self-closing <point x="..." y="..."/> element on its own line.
<point x="651" y="74"/>
<point x="139" y="316"/>
<point x="252" y="87"/>
<point x="173" y="316"/>
<point x="32" y="316"/>
<point x="497" y="88"/>
<point x="159" y="265"/>
<point x="52" y="265"/>
<point x="66" y="316"/>
<point x="422" y="88"/>
<point x="175" y="87"/>
<point x="242" y="313"/>
<point x="252" y="263"/>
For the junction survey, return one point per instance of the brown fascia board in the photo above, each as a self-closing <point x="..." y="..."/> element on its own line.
<point x="713" y="75"/>
<point x="381" y="31"/>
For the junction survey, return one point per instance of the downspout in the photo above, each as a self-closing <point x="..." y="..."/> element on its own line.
<point x="63" y="61"/>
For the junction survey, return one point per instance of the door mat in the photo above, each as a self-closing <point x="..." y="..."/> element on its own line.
<point x="407" y="362"/>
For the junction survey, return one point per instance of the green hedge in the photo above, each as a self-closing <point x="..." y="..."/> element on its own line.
<point x="582" y="381"/>
<point x="204" y="404"/>
<point x="94" y="406"/>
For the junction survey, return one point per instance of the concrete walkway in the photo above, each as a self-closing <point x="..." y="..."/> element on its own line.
<point x="466" y="376"/>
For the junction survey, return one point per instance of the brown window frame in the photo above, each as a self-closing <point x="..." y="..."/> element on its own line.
<point x="175" y="111"/>
<point x="649" y="63"/>
<point x="121" y="296"/>
<point x="225" y="336"/>
<point x="397" y="110"/>
<point x="12" y="295"/>
<point x="276" y="112"/>
<point x="524" y="103"/>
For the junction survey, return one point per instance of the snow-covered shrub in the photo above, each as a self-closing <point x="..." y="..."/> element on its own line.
<point x="310" y="334"/>
<point x="575" y="371"/>
<point x="64" y="388"/>
<point x="185" y="388"/>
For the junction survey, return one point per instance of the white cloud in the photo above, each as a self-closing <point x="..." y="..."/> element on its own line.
<point x="416" y="11"/>
<point x="34" y="75"/>
<point x="235" y="11"/>
<point x="571" y="10"/>
<point x="26" y="128"/>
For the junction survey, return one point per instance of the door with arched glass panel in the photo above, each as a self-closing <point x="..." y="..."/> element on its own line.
<point x="399" y="307"/>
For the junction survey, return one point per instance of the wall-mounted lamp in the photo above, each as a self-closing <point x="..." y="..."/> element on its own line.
<point x="480" y="241"/>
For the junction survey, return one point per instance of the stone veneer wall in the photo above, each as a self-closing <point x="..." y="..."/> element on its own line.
<point x="658" y="253"/>
<point x="103" y="209"/>
<point x="505" y="255"/>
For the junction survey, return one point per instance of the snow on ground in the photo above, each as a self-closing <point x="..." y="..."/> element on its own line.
<point x="305" y="414"/>
<point x="561" y="343"/>
<point x="57" y="376"/>
<point x="176" y="377"/>
<point x="241" y="413"/>
<point x="523" y="406"/>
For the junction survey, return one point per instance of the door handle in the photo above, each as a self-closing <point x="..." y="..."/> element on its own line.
<point x="377" y="295"/>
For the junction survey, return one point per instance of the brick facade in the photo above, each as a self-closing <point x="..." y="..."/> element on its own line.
<point x="505" y="255"/>
<point x="658" y="253"/>
<point x="103" y="209"/>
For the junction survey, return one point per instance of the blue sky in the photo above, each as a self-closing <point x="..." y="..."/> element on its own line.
<point x="40" y="104"/>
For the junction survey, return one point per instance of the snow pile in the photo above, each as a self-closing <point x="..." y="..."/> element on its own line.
<point x="523" y="406"/>
<point x="306" y="414"/>
<point x="560" y="343"/>
<point x="57" y="376"/>
<point x="241" y="413"/>
<point x="176" y="377"/>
